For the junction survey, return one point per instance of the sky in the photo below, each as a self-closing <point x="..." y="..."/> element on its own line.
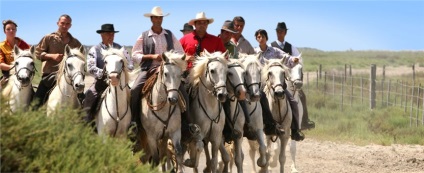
<point x="324" y="25"/>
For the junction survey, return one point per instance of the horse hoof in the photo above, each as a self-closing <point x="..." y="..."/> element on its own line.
<point x="261" y="162"/>
<point x="189" y="163"/>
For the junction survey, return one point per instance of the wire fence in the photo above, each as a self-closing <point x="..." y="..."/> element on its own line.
<point x="347" y="89"/>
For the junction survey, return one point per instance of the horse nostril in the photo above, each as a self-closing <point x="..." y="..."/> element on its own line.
<point x="172" y="100"/>
<point x="279" y="93"/>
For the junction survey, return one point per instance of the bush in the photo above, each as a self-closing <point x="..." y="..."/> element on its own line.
<point x="32" y="142"/>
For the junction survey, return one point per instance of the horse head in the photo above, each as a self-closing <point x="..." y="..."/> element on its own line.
<point x="211" y="71"/>
<point x="24" y="65"/>
<point x="170" y="73"/>
<point x="235" y="79"/>
<point x="296" y="74"/>
<point x="115" y="63"/>
<point x="253" y="69"/>
<point x="73" y="67"/>
<point x="274" y="76"/>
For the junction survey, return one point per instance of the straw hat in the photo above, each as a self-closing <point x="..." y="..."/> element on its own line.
<point x="156" y="11"/>
<point x="200" y="16"/>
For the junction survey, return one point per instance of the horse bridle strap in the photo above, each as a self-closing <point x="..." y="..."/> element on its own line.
<point x="240" y="84"/>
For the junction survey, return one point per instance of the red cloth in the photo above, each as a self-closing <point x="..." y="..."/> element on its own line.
<point x="209" y="42"/>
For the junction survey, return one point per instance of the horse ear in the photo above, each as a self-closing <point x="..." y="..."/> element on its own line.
<point x="67" y="50"/>
<point x="16" y="50"/>
<point x="122" y="49"/>
<point x="206" y="52"/>
<point x="184" y="57"/>
<point x="82" y="49"/>
<point x="164" y="57"/>
<point x="227" y="55"/>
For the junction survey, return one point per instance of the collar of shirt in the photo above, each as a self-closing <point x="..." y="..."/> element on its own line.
<point x="106" y="46"/>
<point x="281" y="44"/>
<point x="151" y="33"/>
<point x="59" y="34"/>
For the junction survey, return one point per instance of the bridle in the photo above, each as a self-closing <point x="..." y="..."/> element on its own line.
<point x="70" y="78"/>
<point x="208" y="77"/>
<point x="280" y="84"/>
<point x="31" y="73"/>
<point x="231" y="83"/>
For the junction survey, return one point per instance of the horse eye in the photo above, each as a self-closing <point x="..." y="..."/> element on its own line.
<point x="269" y="74"/>
<point x="230" y="74"/>
<point x="32" y="64"/>
<point x="212" y="71"/>
<point x="165" y="74"/>
<point x="105" y="62"/>
<point x="17" y="63"/>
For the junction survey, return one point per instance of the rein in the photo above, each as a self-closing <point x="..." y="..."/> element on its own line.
<point x="117" y="120"/>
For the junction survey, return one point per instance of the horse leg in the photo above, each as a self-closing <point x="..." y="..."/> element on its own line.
<point x="225" y="157"/>
<point x="153" y="145"/>
<point x="176" y="141"/>
<point x="214" y="160"/>
<point x="273" y="149"/>
<point x="208" y="158"/>
<point x="293" y="156"/>
<point x="262" y="161"/>
<point x="282" y="154"/>
<point x="252" y="153"/>
<point x="238" y="154"/>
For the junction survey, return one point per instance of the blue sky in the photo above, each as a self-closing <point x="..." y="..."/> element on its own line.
<point x="325" y="25"/>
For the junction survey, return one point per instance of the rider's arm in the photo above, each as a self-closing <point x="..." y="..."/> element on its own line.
<point x="92" y="63"/>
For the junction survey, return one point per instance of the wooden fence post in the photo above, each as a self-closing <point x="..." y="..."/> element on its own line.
<point x="372" y="86"/>
<point x="388" y="93"/>
<point x="320" y="70"/>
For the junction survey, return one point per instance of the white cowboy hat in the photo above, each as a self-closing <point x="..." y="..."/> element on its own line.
<point x="200" y="16"/>
<point x="156" y="11"/>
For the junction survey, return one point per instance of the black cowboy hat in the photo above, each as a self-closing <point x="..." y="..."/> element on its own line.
<point x="282" y="26"/>
<point x="107" y="28"/>
<point x="187" y="27"/>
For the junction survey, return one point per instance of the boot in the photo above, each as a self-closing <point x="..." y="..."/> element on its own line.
<point x="297" y="135"/>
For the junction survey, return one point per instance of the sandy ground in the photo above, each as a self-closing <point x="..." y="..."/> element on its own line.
<point x="314" y="156"/>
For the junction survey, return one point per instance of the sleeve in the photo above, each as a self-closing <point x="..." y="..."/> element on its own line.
<point x="220" y="45"/>
<point x="42" y="48"/>
<point x="295" y="52"/>
<point x="177" y="45"/>
<point x="130" y="64"/>
<point x="137" y="51"/>
<point x="288" y="60"/>
<point x="92" y="63"/>
<point x="23" y="45"/>
<point x="2" y="56"/>
<point x="250" y="49"/>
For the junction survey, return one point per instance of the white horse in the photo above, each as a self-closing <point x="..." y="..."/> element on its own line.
<point x="114" y="116"/>
<point x="163" y="104"/>
<point x="273" y="76"/>
<point x="19" y="91"/>
<point x="208" y="81"/>
<point x="69" y="80"/>
<point x="253" y="69"/>
<point x="295" y="83"/>
<point x="235" y="121"/>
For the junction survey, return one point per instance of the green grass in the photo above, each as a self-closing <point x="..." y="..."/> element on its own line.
<point x="33" y="142"/>
<point x="359" y="124"/>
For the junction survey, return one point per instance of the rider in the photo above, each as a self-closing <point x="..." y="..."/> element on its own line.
<point x="267" y="52"/>
<point x="227" y="31"/>
<point x="50" y="51"/>
<point x="95" y="64"/>
<point x="285" y="46"/>
<point x="195" y="42"/>
<point x="147" y="51"/>
<point x="6" y="48"/>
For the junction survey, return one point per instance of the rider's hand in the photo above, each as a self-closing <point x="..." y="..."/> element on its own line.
<point x="57" y="57"/>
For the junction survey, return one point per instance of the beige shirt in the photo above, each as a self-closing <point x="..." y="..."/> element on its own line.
<point x="243" y="46"/>
<point x="52" y="43"/>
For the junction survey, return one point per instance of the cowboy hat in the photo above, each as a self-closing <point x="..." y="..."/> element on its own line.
<point x="107" y="28"/>
<point x="187" y="27"/>
<point x="156" y="11"/>
<point x="200" y="16"/>
<point x="228" y="26"/>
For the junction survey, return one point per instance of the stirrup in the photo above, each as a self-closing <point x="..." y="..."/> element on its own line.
<point x="279" y="130"/>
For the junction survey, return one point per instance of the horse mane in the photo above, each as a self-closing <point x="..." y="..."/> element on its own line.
<point x="264" y="74"/>
<point x="176" y="58"/>
<point x="201" y="63"/>
<point x="249" y="61"/>
<point x="74" y="52"/>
